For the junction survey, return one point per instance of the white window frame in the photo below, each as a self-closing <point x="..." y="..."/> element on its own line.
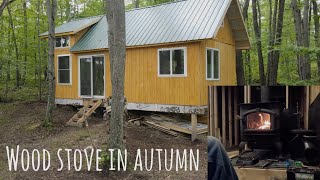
<point x="212" y="68"/>
<point x="70" y="69"/>
<point x="104" y="76"/>
<point x="61" y="46"/>
<point x="185" y="62"/>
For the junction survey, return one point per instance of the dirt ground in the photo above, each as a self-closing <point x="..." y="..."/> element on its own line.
<point x="20" y="124"/>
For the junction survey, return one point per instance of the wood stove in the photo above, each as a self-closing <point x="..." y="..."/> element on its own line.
<point x="260" y="126"/>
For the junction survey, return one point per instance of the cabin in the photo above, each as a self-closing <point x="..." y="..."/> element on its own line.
<point x="174" y="52"/>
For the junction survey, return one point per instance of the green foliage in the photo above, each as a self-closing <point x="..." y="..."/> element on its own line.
<point x="287" y="72"/>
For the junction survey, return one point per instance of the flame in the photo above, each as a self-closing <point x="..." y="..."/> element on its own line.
<point x="265" y="124"/>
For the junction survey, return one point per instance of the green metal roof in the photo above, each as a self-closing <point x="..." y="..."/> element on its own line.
<point x="75" y="26"/>
<point x="179" y="21"/>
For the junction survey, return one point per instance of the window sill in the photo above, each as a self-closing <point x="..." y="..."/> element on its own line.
<point x="64" y="84"/>
<point x="172" y="76"/>
<point x="56" y="48"/>
<point x="213" y="79"/>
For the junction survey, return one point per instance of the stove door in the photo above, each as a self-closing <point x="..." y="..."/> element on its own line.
<point x="258" y="121"/>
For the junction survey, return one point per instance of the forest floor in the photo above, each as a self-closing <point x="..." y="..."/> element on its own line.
<point x="20" y="124"/>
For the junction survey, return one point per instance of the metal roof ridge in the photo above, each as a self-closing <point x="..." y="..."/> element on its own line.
<point x="162" y="4"/>
<point x="89" y="17"/>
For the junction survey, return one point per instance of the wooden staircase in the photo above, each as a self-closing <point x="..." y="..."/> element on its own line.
<point x="80" y="118"/>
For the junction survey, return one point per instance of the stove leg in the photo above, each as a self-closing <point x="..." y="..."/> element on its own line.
<point x="278" y="146"/>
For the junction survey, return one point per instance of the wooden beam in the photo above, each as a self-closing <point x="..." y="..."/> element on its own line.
<point x="223" y="104"/>
<point x="194" y="122"/>
<point x="236" y="120"/>
<point x="211" y="112"/>
<point x="215" y="111"/>
<point x="230" y="115"/>
<point x="307" y="105"/>
<point x="255" y="173"/>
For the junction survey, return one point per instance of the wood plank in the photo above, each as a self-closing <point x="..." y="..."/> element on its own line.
<point x="215" y="111"/>
<point x="232" y="154"/>
<point x="194" y="122"/>
<point x="307" y="105"/>
<point x="223" y="104"/>
<point x="159" y="127"/>
<point x="90" y="111"/>
<point x="230" y="116"/>
<point x="236" y="120"/>
<point x="211" y="112"/>
<point x="261" y="174"/>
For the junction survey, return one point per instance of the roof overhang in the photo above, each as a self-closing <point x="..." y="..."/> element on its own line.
<point x="73" y="31"/>
<point x="238" y="27"/>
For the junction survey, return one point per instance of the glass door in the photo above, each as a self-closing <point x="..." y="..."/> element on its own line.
<point x="92" y="76"/>
<point x="98" y="76"/>
<point x="85" y="76"/>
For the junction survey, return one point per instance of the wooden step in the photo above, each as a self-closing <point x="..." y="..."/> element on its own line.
<point x="80" y="118"/>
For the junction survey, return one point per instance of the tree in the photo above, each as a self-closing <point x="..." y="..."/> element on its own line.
<point x="117" y="54"/>
<point x="256" y="12"/>
<point x="51" y="13"/>
<point x="14" y="38"/>
<point x="25" y="28"/>
<point x="4" y="4"/>
<point x="317" y="30"/>
<point x="136" y="3"/>
<point x="275" y="28"/>
<point x="302" y="38"/>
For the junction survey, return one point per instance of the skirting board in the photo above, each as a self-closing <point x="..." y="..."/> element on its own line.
<point x="168" y="108"/>
<point x="147" y="107"/>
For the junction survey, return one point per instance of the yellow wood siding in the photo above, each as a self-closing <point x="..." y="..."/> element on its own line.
<point x="142" y="84"/>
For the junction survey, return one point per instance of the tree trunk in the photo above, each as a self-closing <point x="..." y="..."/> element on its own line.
<point x="239" y="69"/>
<point x="51" y="13"/>
<point x="302" y="38"/>
<point x="4" y="4"/>
<point x="117" y="54"/>
<point x="25" y="28"/>
<point x="257" y="31"/>
<point x="136" y="3"/>
<point x="316" y="30"/>
<point x="14" y="39"/>
<point x="39" y="50"/>
<point x="247" y="52"/>
<point x="68" y="10"/>
<point x="275" y="40"/>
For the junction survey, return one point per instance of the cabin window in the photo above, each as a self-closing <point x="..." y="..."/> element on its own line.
<point x="213" y="64"/>
<point x="64" y="69"/>
<point x="63" y="41"/>
<point x="172" y="62"/>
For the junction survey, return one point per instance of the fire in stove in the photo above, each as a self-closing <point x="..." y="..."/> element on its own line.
<point x="259" y="121"/>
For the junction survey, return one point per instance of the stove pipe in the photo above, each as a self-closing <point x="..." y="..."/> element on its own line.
<point x="264" y="93"/>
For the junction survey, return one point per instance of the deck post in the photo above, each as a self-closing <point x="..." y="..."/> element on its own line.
<point x="194" y="122"/>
